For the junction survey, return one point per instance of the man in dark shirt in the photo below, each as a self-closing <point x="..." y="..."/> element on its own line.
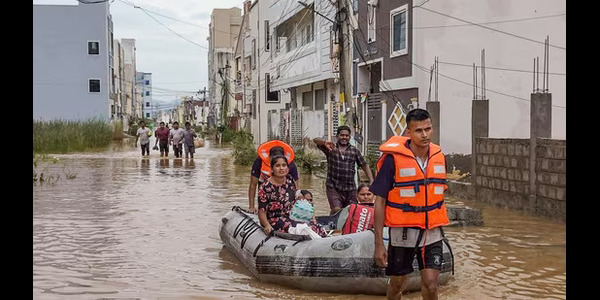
<point x="256" y="178"/>
<point x="162" y="139"/>
<point x="341" y="161"/>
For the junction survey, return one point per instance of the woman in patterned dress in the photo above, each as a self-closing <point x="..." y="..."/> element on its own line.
<point x="276" y="198"/>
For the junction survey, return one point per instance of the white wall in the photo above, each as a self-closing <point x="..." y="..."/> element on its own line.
<point x="313" y="124"/>
<point x="62" y="65"/>
<point x="509" y="117"/>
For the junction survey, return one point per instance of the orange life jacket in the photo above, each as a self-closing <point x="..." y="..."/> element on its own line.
<point x="417" y="198"/>
<point x="360" y="218"/>
<point x="263" y="153"/>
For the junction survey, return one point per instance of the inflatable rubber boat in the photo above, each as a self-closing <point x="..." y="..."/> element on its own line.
<point x="335" y="264"/>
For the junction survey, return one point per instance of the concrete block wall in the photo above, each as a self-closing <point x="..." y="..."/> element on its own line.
<point x="551" y="181"/>
<point x="503" y="175"/>
<point x="503" y="172"/>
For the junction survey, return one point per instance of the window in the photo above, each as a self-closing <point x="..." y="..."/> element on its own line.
<point x="94" y="85"/>
<point x="267" y="36"/>
<point x="399" y="33"/>
<point x="147" y="104"/>
<point x="147" y="82"/>
<point x="320" y="99"/>
<point x="147" y="93"/>
<point x="93" y="48"/>
<point x="372" y="24"/>
<point x="253" y="59"/>
<point x="271" y="96"/>
<point x="148" y="115"/>
<point x="254" y="104"/>
<point x="309" y="34"/>
<point x="307" y="100"/>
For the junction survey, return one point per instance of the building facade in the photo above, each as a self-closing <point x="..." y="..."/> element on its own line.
<point x="224" y="29"/>
<point x="144" y="90"/>
<point x="287" y="75"/>
<point x="397" y="43"/>
<point x="72" y="64"/>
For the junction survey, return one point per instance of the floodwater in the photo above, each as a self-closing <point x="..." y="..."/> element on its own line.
<point x="114" y="226"/>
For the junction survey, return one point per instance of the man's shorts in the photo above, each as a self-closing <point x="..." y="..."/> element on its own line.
<point x="338" y="198"/>
<point x="400" y="259"/>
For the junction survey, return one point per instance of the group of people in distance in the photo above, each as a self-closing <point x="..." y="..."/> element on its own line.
<point x="181" y="139"/>
<point x="406" y="195"/>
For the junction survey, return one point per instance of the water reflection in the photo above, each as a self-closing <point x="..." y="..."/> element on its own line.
<point x="127" y="227"/>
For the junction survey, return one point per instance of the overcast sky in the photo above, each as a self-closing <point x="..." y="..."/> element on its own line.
<point x="175" y="56"/>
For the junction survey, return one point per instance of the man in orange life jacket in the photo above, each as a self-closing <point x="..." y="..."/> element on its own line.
<point x="261" y="168"/>
<point x="409" y="189"/>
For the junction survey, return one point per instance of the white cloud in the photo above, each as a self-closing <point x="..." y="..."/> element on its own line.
<point x="174" y="62"/>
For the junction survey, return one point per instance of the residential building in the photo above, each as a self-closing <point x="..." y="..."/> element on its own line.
<point x="72" y="62"/>
<point x="133" y="107"/>
<point x="117" y="106"/>
<point x="144" y="89"/>
<point x="224" y="29"/>
<point x="289" y="77"/>
<point x="397" y="42"/>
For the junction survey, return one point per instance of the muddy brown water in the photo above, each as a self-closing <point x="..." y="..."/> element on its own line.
<point x="113" y="225"/>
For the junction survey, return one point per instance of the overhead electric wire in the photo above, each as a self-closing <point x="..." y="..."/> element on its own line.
<point x="443" y="75"/>
<point x="492" y="29"/>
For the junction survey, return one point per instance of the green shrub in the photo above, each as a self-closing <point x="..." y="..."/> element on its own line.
<point x="372" y="156"/>
<point x="60" y="136"/>
<point x="310" y="160"/>
<point x="244" y="152"/>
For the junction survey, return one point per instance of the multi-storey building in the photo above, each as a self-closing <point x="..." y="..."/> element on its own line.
<point x="144" y="90"/>
<point x="72" y="64"/>
<point x="396" y="45"/>
<point x="224" y="29"/>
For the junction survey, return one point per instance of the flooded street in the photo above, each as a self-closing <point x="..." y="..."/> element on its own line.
<point x="126" y="227"/>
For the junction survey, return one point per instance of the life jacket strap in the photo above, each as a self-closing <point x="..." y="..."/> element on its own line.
<point x="416" y="183"/>
<point x="405" y="207"/>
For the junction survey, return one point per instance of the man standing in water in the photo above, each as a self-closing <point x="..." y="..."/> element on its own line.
<point x="188" y="140"/>
<point x="342" y="159"/>
<point x="162" y="139"/>
<point x="143" y="137"/>
<point x="409" y="189"/>
<point x="176" y="139"/>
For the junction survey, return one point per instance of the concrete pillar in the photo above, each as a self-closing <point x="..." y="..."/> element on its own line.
<point x="540" y="126"/>
<point x="541" y="115"/>
<point x="480" y="120"/>
<point x="433" y="107"/>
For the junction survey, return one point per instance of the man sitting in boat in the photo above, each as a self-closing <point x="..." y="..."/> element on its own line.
<point x="276" y="197"/>
<point x="360" y="215"/>
<point x="261" y="168"/>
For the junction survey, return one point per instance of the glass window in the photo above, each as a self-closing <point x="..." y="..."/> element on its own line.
<point x="94" y="85"/>
<point x="307" y="100"/>
<point x="320" y="99"/>
<point x="372" y="24"/>
<point x="399" y="32"/>
<point x="94" y="48"/>
<point x="267" y="36"/>
<point x="147" y="93"/>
